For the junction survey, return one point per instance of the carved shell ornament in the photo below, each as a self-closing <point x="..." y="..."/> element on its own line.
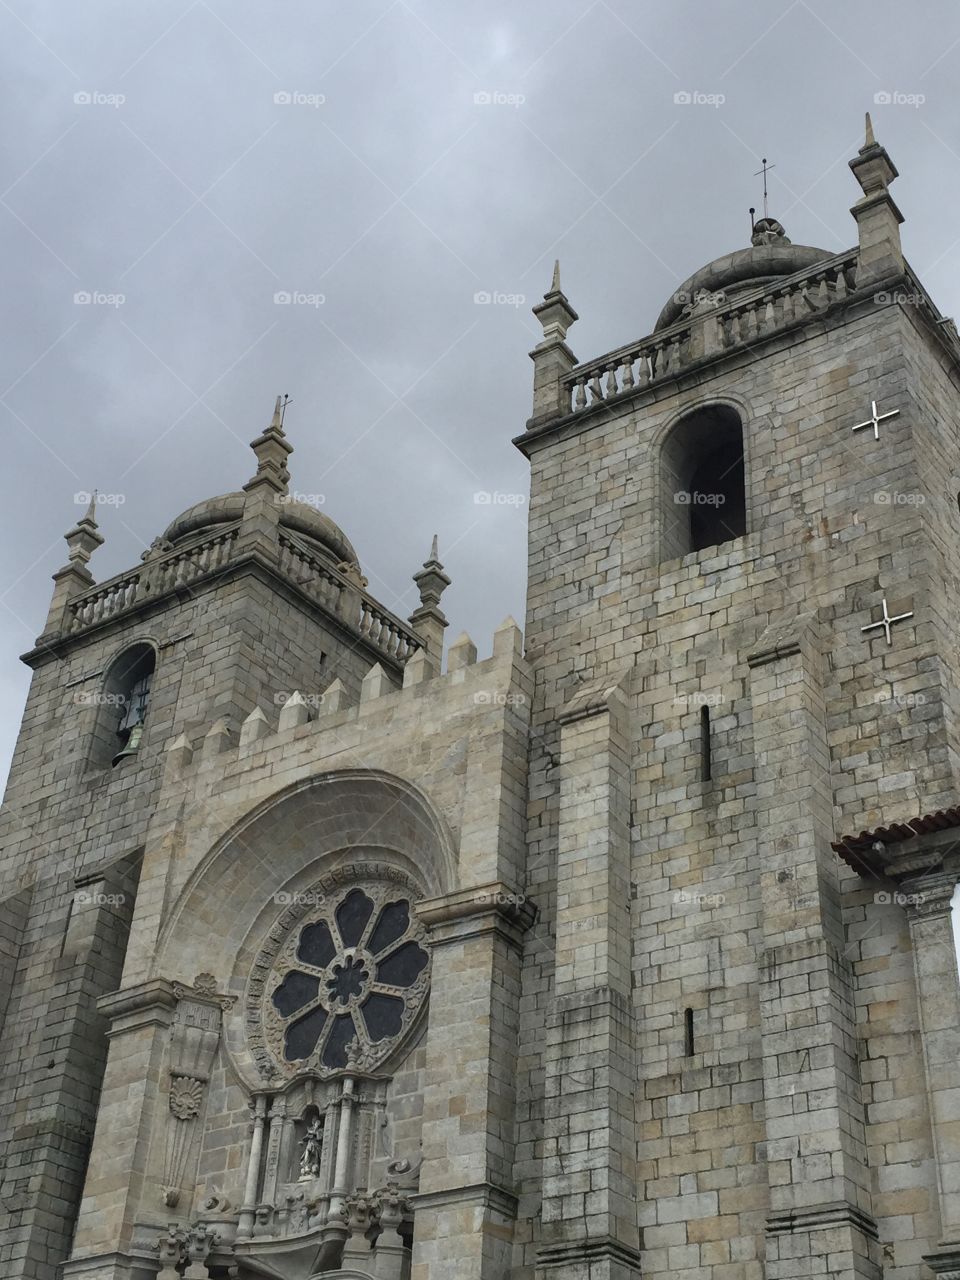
<point x="186" y="1097"/>
<point x="347" y="982"/>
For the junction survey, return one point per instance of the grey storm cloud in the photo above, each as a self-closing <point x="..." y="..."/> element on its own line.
<point x="205" y="204"/>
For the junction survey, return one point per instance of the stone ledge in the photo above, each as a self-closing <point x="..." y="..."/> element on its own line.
<point x="149" y="1003"/>
<point x="488" y="1194"/>
<point x="602" y="1249"/>
<point x="484" y="908"/>
<point x="836" y="1213"/>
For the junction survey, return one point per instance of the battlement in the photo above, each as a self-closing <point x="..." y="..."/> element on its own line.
<point x="308" y="714"/>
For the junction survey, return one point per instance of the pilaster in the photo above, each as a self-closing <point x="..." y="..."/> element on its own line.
<point x="590" y="1224"/>
<point x="465" y="1209"/>
<point x="820" y="1219"/>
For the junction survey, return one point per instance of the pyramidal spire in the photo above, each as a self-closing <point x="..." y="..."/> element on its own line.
<point x="869" y="139"/>
<point x="555" y="282"/>
<point x="90" y="515"/>
<point x="276" y="423"/>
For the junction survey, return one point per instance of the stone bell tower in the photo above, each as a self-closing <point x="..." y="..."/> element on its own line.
<point x="740" y="1048"/>
<point x="248" y="601"/>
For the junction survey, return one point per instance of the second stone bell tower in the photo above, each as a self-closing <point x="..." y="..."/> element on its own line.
<point x="743" y="554"/>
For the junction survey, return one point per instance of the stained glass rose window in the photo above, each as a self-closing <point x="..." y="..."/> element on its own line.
<point x="347" y="982"/>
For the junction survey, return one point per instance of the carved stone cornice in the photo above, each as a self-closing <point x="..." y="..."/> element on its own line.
<point x="149" y="1003"/>
<point x="945" y="1262"/>
<point x="928" y="896"/>
<point x="482" y="909"/>
<point x="485" y="1194"/>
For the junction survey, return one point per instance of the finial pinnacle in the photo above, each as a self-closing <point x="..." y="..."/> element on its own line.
<point x="433" y="548"/>
<point x="91" y="512"/>
<point x="869" y="139"/>
<point x="555" y="282"/>
<point x="276" y="422"/>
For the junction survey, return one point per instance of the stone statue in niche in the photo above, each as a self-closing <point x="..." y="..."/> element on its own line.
<point x="312" y="1143"/>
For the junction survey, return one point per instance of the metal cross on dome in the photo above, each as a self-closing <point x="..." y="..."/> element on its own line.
<point x="875" y="419"/>
<point x="887" y="621"/>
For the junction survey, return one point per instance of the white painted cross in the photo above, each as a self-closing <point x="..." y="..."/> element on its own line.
<point x="875" y="419"/>
<point x="886" y="621"/>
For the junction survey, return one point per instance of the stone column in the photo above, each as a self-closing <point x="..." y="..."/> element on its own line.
<point x="820" y="1210"/>
<point x="590" y="1220"/>
<point x="464" y="1211"/>
<point x="248" y="1212"/>
<point x="928" y="909"/>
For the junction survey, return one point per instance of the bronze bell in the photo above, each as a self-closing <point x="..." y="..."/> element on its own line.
<point x="129" y="748"/>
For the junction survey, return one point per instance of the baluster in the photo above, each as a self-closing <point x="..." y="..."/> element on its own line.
<point x="733" y="330"/>
<point x="769" y="316"/>
<point x="610" y="387"/>
<point x="594" y="388"/>
<point x="823" y="291"/>
<point x="626" y="372"/>
<point x="579" y="395"/>
<point x="643" y="369"/>
<point x="841" y="288"/>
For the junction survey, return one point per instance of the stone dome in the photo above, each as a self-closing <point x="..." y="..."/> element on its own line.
<point x="320" y="532"/>
<point x="770" y="257"/>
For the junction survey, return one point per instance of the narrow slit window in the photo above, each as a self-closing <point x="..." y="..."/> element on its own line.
<point x="706" y="765"/>
<point x="688" y="1045"/>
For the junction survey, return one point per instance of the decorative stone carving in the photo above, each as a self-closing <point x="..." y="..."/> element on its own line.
<point x="341" y="978"/>
<point x="194" y="1037"/>
<point x="172" y="1250"/>
<point x="186" y="1096"/>
<point x="200" y="1240"/>
<point x="312" y="1147"/>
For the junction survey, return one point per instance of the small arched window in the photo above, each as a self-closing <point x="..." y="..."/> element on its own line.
<point x="123" y="705"/>
<point x="703" y="501"/>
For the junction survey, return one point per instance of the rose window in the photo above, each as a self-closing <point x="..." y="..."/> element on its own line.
<point x="347" y="982"/>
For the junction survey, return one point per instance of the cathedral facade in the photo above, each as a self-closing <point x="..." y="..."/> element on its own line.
<point x="625" y="951"/>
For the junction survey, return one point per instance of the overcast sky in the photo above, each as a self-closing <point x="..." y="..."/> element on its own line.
<point x="394" y="158"/>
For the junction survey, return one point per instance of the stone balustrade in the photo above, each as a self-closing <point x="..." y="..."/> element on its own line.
<point x="382" y="630"/>
<point x="713" y="326"/>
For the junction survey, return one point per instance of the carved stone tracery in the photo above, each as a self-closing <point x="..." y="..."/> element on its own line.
<point x="336" y="989"/>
